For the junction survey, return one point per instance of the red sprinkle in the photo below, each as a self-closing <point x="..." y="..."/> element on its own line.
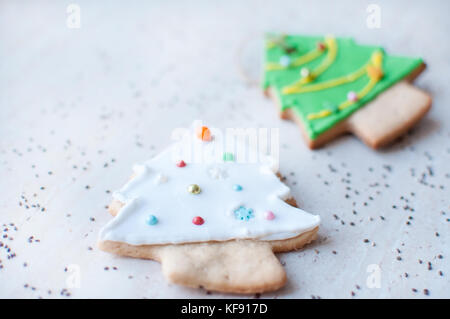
<point x="181" y="163"/>
<point x="197" y="220"/>
<point x="321" y="46"/>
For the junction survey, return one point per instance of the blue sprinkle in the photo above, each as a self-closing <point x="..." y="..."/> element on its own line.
<point x="237" y="187"/>
<point x="152" y="220"/>
<point x="243" y="213"/>
<point x="285" y="61"/>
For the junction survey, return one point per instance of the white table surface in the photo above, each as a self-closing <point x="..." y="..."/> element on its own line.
<point x="79" y="106"/>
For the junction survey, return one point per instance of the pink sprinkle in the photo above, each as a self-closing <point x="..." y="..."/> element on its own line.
<point x="352" y="96"/>
<point x="181" y="163"/>
<point x="269" y="215"/>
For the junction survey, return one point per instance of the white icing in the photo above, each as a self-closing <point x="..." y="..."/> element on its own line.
<point x="160" y="179"/>
<point x="217" y="173"/>
<point x="159" y="188"/>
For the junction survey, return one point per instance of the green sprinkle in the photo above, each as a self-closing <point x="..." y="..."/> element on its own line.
<point x="228" y="157"/>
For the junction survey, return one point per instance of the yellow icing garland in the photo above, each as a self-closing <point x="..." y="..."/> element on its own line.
<point x="374" y="71"/>
<point x="307" y="57"/>
<point x="329" y="59"/>
<point x="273" y="43"/>
<point x="328" y="84"/>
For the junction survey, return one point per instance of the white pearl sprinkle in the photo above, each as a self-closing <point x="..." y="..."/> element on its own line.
<point x="304" y="72"/>
<point x="285" y="60"/>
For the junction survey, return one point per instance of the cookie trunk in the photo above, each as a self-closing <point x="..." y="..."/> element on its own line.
<point x="390" y="115"/>
<point x="380" y="122"/>
<point x="236" y="267"/>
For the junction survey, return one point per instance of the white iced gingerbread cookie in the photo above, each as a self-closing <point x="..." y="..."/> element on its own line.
<point x="211" y="220"/>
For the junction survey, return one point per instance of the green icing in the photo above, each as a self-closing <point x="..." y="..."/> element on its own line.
<point x="350" y="57"/>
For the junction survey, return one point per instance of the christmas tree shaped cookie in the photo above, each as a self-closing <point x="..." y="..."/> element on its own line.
<point x="331" y="86"/>
<point x="211" y="219"/>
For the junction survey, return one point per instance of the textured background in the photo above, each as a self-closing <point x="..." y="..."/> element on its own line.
<point x="79" y="106"/>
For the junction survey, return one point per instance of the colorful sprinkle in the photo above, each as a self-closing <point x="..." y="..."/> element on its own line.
<point x="289" y="49"/>
<point x="243" y="213"/>
<point x="181" y="163"/>
<point x="321" y="46"/>
<point x="352" y="96"/>
<point x="228" y="157"/>
<point x="305" y="72"/>
<point x="194" y="189"/>
<point x="204" y="133"/>
<point x="269" y="215"/>
<point x="197" y="220"/>
<point x="237" y="187"/>
<point x="152" y="220"/>
<point x="285" y="60"/>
